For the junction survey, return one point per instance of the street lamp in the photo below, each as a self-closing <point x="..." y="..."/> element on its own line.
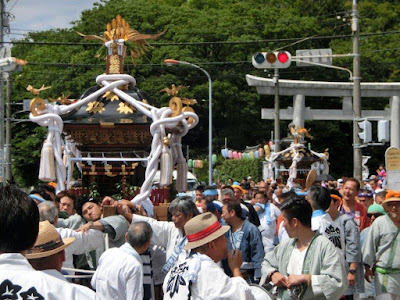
<point x="170" y="62"/>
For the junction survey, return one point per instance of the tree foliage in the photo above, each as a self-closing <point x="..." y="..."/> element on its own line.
<point x="221" y="37"/>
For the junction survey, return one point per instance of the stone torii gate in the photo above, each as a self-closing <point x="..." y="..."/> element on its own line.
<point x="300" y="89"/>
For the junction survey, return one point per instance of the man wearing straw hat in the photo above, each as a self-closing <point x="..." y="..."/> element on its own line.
<point x="19" y="227"/>
<point x="199" y="276"/>
<point x="381" y="250"/>
<point x="48" y="254"/>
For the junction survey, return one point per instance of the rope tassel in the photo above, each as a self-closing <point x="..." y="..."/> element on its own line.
<point x="181" y="180"/>
<point x="166" y="167"/>
<point x="47" y="171"/>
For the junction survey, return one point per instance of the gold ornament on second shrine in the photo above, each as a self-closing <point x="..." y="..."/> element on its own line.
<point x="176" y="103"/>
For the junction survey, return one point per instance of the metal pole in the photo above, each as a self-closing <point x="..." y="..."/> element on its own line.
<point x="172" y="61"/>
<point x="210" y="174"/>
<point x="2" y="129"/>
<point x="2" y="97"/>
<point x="276" y="113"/>
<point x="7" y="159"/>
<point x="357" y="153"/>
<point x="395" y="122"/>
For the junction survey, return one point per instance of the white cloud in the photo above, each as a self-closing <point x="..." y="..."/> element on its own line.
<point x="45" y="14"/>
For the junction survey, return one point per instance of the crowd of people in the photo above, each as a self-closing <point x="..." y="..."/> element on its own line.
<point x="333" y="240"/>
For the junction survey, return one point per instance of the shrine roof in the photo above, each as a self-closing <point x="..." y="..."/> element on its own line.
<point x="107" y="109"/>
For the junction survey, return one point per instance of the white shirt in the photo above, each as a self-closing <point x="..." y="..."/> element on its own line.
<point x="19" y="279"/>
<point x="268" y="231"/>
<point x="295" y="267"/>
<point x="211" y="283"/>
<point x="282" y="233"/>
<point x="83" y="243"/>
<point x="119" y="275"/>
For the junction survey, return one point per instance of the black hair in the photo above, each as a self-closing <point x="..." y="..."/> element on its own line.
<point x="286" y="195"/>
<point x="299" y="208"/>
<point x="232" y="205"/>
<point x="84" y="199"/>
<point x="19" y="220"/>
<point x="69" y="194"/>
<point x="200" y="188"/>
<point x="247" y="186"/>
<point x="40" y="190"/>
<point x="261" y="193"/>
<point x="48" y="188"/>
<point x="335" y="192"/>
<point x="320" y="197"/>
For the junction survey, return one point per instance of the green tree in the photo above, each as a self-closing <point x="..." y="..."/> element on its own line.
<point x="221" y="37"/>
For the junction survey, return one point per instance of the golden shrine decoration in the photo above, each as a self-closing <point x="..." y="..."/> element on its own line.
<point x="176" y="103"/>
<point x="134" y="41"/>
<point x="95" y="107"/>
<point x="299" y="133"/>
<point x="125" y="108"/>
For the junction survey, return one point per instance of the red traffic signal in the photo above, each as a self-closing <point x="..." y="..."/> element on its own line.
<point x="272" y="60"/>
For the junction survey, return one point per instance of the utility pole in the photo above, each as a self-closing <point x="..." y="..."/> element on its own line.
<point x="7" y="157"/>
<point x="277" y="128"/>
<point x="2" y="96"/>
<point x="357" y="153"/>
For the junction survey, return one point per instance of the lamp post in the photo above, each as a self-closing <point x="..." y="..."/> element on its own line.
<point x="170" y="62"/>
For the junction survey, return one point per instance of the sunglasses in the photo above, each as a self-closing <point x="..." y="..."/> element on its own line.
<point x="375" y="215"/>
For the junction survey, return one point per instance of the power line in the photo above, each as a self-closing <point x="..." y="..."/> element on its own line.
<point x="13" y="6"/>
<point x="213" y="43"/>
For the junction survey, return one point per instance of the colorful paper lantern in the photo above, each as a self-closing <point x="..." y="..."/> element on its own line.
<point x="224" y="153"/>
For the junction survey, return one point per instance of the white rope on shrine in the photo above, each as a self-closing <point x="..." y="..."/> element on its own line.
<point x="176" y="126"/>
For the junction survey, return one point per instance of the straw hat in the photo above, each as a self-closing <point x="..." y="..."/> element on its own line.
<point x="48" y="242"/>
<point x="391" y="196"/>
<point x="235" y="186"/>
<point x="203" y="229"/>
<point x="311" y="177"/>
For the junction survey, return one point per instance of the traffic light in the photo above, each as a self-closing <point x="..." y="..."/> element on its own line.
<point x="366" y="134"/>
<point x="272" y="60"/>
<point x="383" y="131"/>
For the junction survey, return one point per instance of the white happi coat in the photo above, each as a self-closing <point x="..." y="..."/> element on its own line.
<point x="205" y="280"/>
<point x="330" y="229"/>
<point x="83" y="243"/>
<point x="165" y="234"/>
<point x="381" y="248"/>
<point x="18" y="280"/>
<point x="119" y="274"/>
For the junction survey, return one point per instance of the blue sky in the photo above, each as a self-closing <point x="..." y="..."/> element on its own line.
<point x="39" y="15"/>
